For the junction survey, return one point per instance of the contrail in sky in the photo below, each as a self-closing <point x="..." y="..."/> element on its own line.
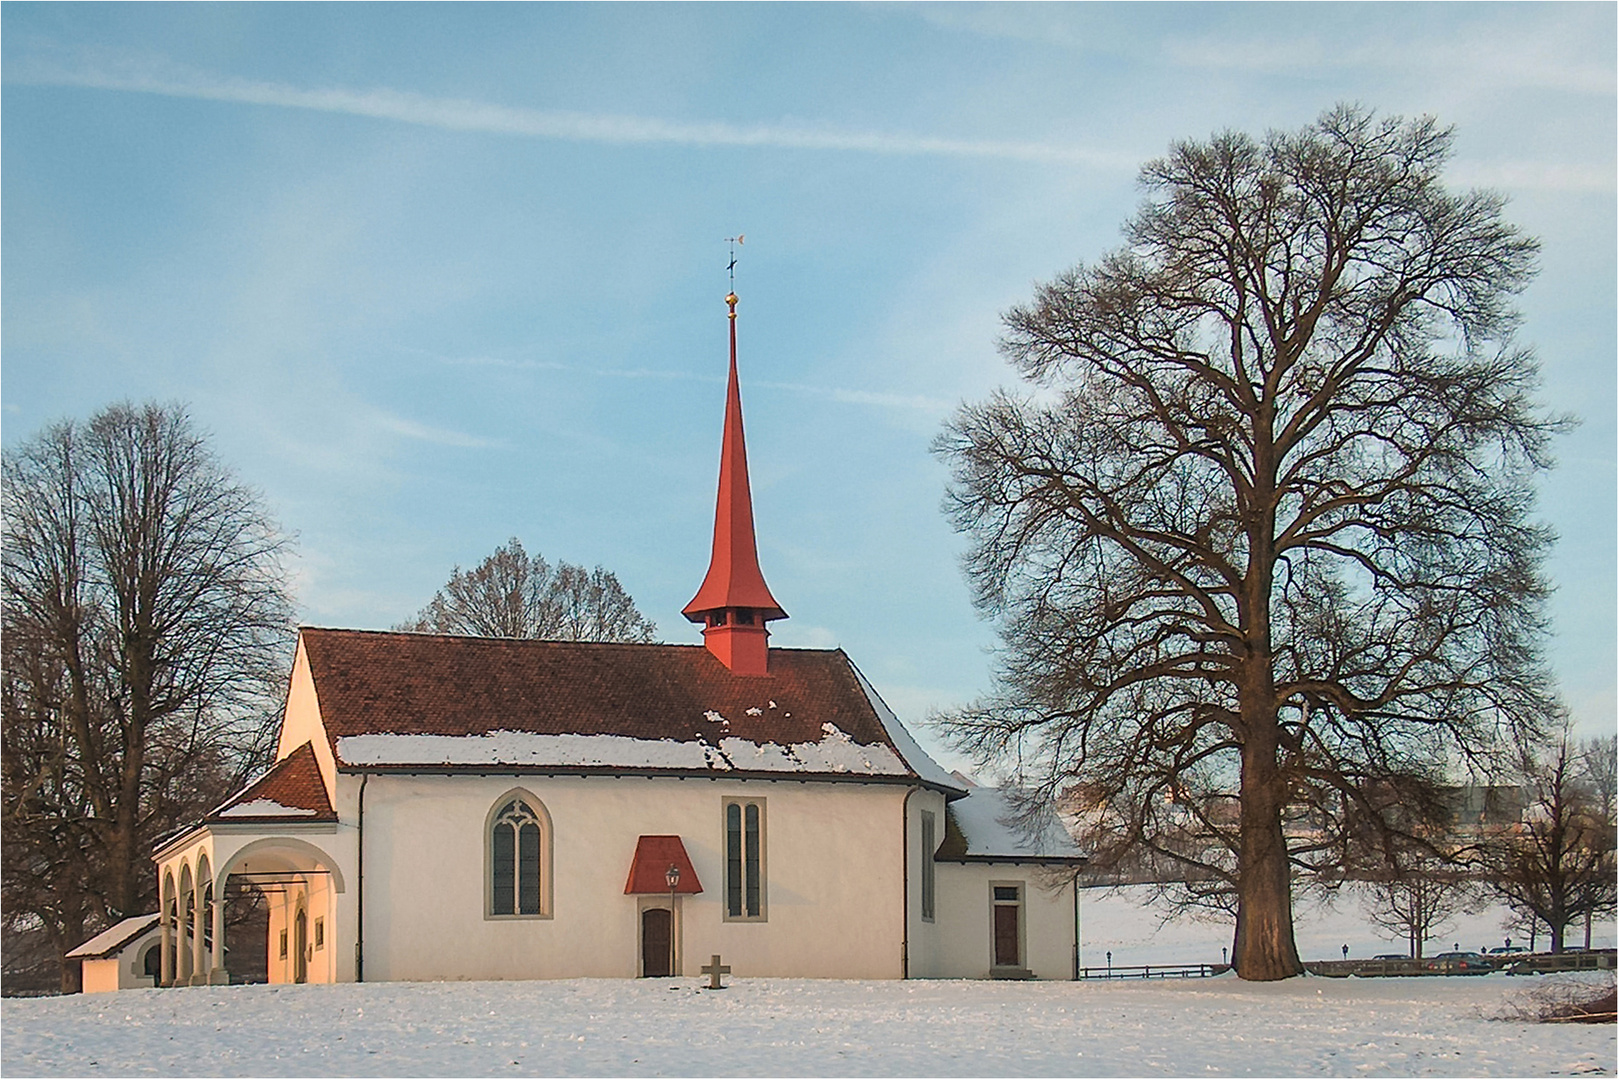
<point x="460" y="114"/>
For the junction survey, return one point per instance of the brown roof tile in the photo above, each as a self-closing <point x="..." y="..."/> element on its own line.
<point x="370" y="682"/>
<point x="293" y="782"/>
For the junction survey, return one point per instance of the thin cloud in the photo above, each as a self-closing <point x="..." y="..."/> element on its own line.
<point x="1492" y="59"/>
<point x="1533" y="175"/>
<point x="830" y="393"/>
<point x="461" y="114"/>
<point x="861" y="397"/>
<point x="410" y="429"/>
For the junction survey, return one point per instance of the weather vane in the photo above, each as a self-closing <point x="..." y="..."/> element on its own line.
<point x="735" y="242"/>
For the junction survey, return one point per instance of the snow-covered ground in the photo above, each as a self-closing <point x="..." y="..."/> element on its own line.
<point x="796" y="1027"/>
<point x="786" y="1027"/>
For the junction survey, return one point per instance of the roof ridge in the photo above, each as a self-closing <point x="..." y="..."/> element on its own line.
<point x="483" y="639"/>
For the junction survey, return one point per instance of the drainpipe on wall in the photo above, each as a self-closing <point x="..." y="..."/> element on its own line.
<point x="359" y="892"/>
<point x="905" y="883"/>
<point x="1076" y="926"/>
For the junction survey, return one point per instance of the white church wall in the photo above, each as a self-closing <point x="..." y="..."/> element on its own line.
<point x="965" y="927"/>
<point x="301" y="721"/>
<point x="833" y="899"/>
<point x="923" y="942"/>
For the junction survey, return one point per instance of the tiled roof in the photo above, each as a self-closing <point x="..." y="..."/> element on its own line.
<point x="292" y="790"/>
<point x="371" y="683"/>
<point x="653" y="857"/>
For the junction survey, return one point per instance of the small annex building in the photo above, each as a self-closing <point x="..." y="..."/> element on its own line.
<point x="124" y="956"/>
<point x="448" y="808"/>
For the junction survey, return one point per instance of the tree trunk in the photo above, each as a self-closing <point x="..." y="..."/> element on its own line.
<point x="72" y="935"/>
<point x="1264" y="948"/>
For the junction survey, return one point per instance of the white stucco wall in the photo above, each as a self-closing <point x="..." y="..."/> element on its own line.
<point x="832" y="869"/>
<point x="301" y="721"/>
<point x="121" y="971"/>
<point x="924" y="942"/>
<point x="965" y="927"/>
<point x="99" y="976"/>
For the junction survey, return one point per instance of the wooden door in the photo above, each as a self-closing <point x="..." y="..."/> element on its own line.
<point x="300" y="944"/>
<point x="656" y="939"/>
<point x="1006" y="936"/>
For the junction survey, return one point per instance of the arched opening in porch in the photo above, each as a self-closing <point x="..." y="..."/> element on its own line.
<point x="281" y="919"/>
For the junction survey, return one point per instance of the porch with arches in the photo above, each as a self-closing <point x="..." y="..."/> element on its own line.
<point x="299" y="879"/>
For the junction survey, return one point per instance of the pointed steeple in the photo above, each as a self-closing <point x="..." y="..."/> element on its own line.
<point x="734" y="603"/>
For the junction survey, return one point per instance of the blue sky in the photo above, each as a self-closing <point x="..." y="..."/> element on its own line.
<point x="434" y="276"/>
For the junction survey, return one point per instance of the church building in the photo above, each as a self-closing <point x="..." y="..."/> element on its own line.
<point x="474" y="808"/>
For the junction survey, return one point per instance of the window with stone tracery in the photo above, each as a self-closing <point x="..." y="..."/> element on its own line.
<point x="517" y="861"/>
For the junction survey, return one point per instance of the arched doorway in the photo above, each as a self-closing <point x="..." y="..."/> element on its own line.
<point x="300" y="945"/>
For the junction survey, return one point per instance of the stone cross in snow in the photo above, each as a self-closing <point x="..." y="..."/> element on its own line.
<point x="714" y="969"/>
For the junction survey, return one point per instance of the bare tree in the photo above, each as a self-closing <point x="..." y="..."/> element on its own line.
<point x="1599" y="773"/>
<point x="146" y="629"/>
<point x="1260" y="535"/>
<point x="511" y="594"/>
<point x="1419" y="901"/>
<point x="1559" y="867"/>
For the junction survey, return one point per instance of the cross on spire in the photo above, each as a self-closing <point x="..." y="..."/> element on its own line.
<point x="735" y="242"/>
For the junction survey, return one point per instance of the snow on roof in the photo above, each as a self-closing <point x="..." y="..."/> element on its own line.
<point x="113" y="938"/>
<point x="921" y="763"/>
<point x="989" y="821"/>
<point x="265" y="808"/>
<point x="835" y="752"/>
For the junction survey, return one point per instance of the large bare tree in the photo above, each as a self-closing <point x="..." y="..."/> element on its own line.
<point x="513" y="594"/>
<point x="1259" y="536"/>
<point x="146" y="630"/>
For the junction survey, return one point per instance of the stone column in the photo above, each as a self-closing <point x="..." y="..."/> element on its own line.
<point x="166" y="977"/>
<point x="199" y="940"/>
<point x="216" y="970"/>
<point x="185" y="948"/>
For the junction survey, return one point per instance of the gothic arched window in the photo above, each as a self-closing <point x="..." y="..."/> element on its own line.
<point x="519" y="844"/>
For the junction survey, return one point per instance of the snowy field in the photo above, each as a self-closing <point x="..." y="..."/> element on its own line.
<point x="794" y="1027"/>
<point x="1127" y="923"/>
<point x="797" y="1027"/>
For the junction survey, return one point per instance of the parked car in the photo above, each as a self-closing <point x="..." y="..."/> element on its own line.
<point x="1506" y="950"/>
<point x="1461" y="963"/>
<point x="1391" y="956"/>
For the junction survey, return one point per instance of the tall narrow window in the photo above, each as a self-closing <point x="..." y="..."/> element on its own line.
<point x="928" y="845"/>
<point x="516" y="860"/>
<point x="745" y="859"/>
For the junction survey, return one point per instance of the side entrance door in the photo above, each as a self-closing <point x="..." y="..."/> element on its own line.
<point x="1007" y="908"/>
<point x="655" y="942"/>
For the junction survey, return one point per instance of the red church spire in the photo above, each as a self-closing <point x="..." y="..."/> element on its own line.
<point x="734" y="603"/>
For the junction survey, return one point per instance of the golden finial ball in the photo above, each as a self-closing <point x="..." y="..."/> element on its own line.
<point x="730" y="298"/>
